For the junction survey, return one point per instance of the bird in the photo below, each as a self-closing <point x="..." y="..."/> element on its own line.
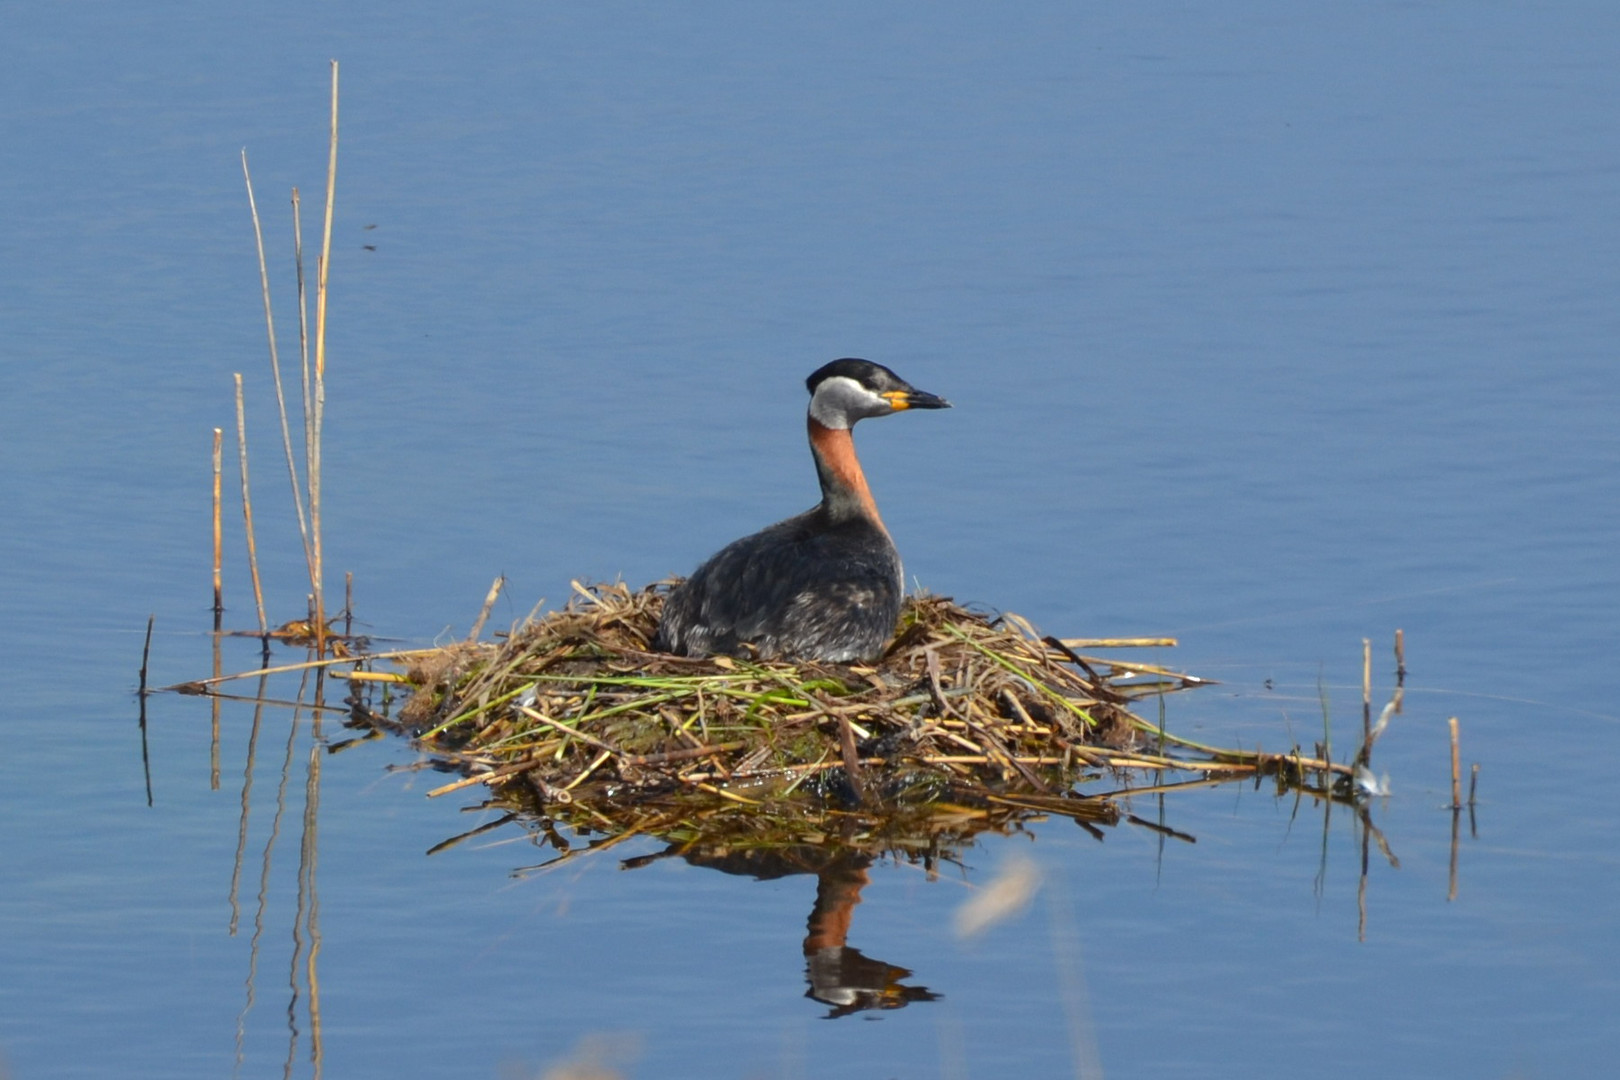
<point x="823" y="585"/>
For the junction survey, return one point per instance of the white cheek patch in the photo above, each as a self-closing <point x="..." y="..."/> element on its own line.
<point x="840" y="401"/>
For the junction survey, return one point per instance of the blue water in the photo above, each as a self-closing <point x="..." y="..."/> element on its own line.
<point x="1272" y="330"/>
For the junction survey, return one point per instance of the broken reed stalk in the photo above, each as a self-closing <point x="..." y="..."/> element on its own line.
<point x="489" y="605"/>
<point x="247" y="505"/>
<point x="275" y="366"/>
<point x="219" y="536"/>
<point x="1400" y="661"/>
<point x="1456" y="767"/>
<point x="1366" y="692"/>
<point x="323" y="267"/>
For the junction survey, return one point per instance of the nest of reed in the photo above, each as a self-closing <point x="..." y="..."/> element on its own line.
<point x="573" y="717"/>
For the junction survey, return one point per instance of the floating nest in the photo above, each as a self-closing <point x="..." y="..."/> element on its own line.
<point x="573" y="717"/>
<point x="966" y="723"/>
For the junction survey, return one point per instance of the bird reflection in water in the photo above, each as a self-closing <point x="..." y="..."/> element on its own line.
<point x="840" y="976"/>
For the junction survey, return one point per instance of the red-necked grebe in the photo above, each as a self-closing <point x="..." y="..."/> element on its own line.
<point x="827" y="584"/>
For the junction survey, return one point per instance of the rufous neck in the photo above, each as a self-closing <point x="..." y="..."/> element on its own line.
<point x="843" y="484"/>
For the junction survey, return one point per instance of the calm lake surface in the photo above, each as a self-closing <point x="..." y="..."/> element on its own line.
<point x="1272" y="331"/>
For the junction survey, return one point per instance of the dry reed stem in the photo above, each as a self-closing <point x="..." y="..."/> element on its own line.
<point x="1456" y="766"/>
<point x="308" y="665"/>
<point x="318" y="572"/>
<point x="493" y="776"/>
<point x="592" y="767"/>
<point x="305" y="389"/>
<point x="275" y="365"/>
<point x="247" y="505"/>
<point x="1120" y="643"/>
<point x="323" y="267"/>
<point x="371" y="676"/>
